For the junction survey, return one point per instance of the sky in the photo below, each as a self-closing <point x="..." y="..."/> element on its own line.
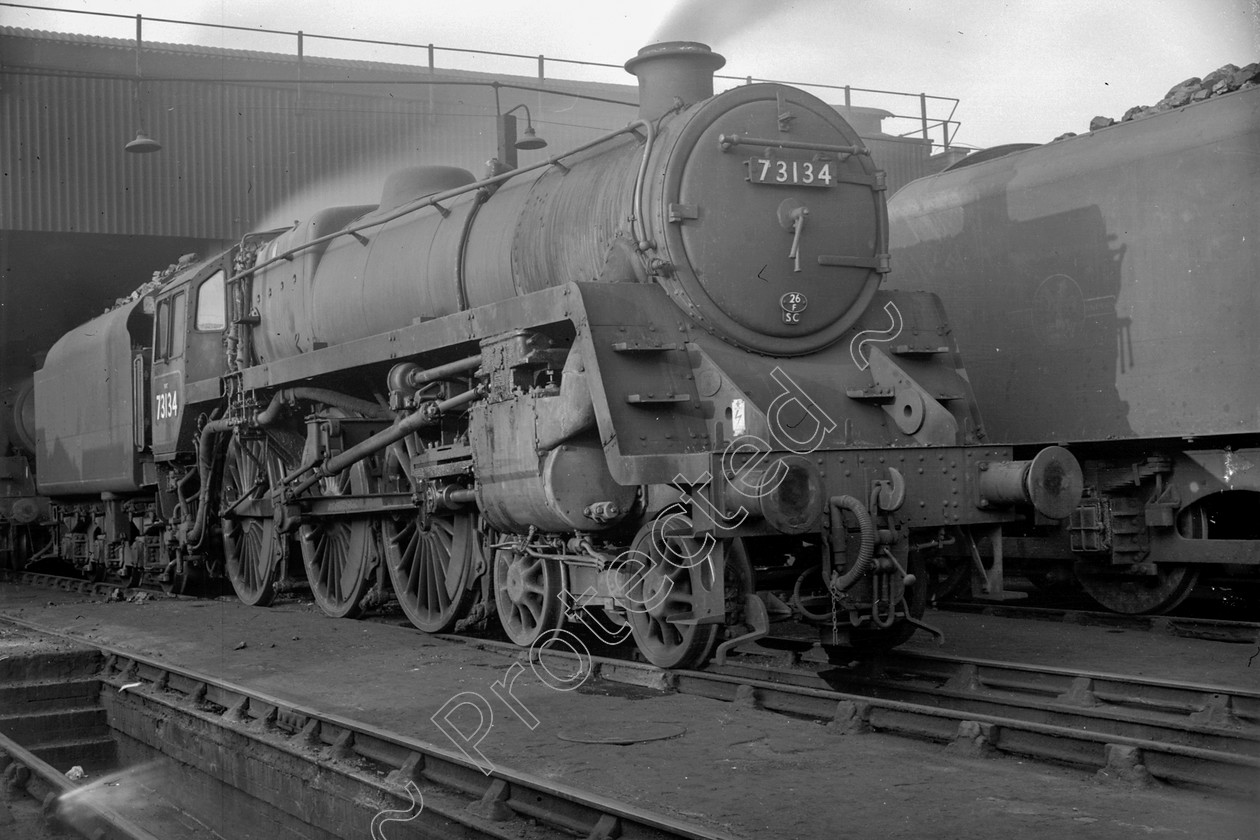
<point x="1023" y="72"/>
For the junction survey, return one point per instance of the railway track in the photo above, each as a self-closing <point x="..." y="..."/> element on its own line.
<point x="1138" y="729"/>
<point x="1120" y="726"/>
<point x="1209" y="629"/>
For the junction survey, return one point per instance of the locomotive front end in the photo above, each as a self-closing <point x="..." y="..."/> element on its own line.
<point x="766" y="219"/>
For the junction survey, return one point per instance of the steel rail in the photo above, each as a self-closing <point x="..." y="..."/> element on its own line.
<point x="1211" y="629"/>
<point x="1047" y="730"/>
<point x="402" y="759"/>
<point x="1166" y="711"/>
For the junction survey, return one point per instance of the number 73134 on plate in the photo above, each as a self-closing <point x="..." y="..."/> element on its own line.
<point x="794" y="173"/>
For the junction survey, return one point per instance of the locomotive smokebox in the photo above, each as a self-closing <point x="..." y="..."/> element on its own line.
<point x="681" y="70"/>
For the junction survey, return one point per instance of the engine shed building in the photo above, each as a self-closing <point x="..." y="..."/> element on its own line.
<point x="248" y="141"/>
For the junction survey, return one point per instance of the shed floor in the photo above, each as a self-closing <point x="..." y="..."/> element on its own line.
<point x="752" y="773"/>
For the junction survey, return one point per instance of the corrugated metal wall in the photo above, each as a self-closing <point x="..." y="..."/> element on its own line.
<point x="233" y="151"/>
<point x="240" y="156"/>
<point x="230" y="152"/>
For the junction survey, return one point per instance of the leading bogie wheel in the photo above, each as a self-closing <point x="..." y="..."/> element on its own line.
<point x="678" y="567"/>
<point x="527" y="595"/>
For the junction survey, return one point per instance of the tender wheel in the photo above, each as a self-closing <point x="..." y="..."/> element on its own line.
<point x="666" y="591"/>
<point x="430" y="565"/>
<point x="1138" y="594"/>
<point x="340" y="553"/>
<point x="250" y="543"/>
<point x="527" y="593"/>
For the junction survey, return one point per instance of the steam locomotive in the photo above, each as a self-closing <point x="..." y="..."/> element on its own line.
<point x="1104" y="291"/>
<point x="650" y="384"/>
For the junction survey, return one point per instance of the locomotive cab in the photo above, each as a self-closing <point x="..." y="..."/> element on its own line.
<point x="190" y="316"/>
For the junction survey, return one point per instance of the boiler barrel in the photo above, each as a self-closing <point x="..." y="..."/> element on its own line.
<point x="536" y="231"/>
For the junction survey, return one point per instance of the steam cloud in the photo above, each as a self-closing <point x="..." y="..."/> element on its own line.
<point x="711" y="21"/>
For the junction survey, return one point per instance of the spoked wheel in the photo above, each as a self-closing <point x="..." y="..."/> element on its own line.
<point x="250" y="543"/>
<point x="1138" y="594"/>
<point x="431" y="561"/>
<point x="339" y="552"/>
<point x="527" y="592"/>
<point x="677" y="570"/>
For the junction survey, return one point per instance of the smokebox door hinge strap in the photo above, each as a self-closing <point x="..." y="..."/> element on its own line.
<point x="782" y="114"/>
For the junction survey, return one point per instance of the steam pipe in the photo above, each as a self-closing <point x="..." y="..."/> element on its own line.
<point x="205" y="462"/>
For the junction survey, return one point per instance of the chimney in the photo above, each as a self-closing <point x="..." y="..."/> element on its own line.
<point x="673" y="69"/>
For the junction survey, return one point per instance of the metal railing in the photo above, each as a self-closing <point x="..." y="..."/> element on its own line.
<point x="924" y="124"/>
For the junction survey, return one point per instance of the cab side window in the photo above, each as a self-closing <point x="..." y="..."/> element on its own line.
<point x="211" y="303"/>
<point x="162" y="330"/>
<point x="172" y="314"/>
<point x="179" y="318"/>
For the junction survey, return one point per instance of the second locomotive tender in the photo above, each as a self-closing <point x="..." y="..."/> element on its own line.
<point x="651" y="382"/>
<point x="1106" y="295"/>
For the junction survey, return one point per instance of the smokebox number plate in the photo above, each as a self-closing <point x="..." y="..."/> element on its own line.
<point x="792" y="173"/>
